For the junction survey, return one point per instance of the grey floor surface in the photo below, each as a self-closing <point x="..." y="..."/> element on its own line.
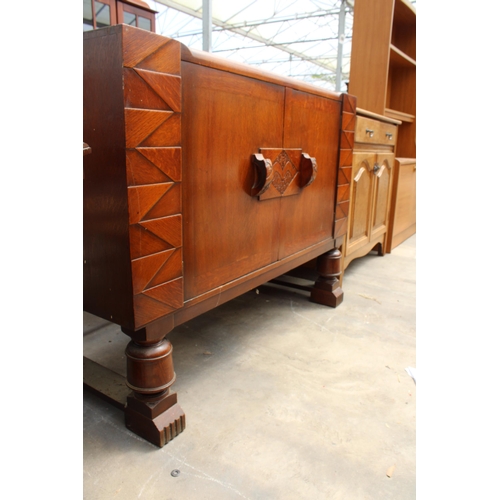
<point x="284" y="398"/>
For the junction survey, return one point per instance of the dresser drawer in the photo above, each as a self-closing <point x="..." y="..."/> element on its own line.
<point x="375" y="132"/>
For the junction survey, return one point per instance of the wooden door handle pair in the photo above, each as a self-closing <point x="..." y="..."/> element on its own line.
<point x="282" y="172"/>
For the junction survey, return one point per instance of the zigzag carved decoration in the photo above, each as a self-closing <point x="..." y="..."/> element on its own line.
<point x="345" y="174"/>
<point x="152" y="97"/>
<point x="153" y="201"/>
<point x="166" y="59"/>
<point x="168" y="229"/>
<point x="167" y="134"/>
<point x="168" y="160"/>
<point x="137" y="46"/>
<point x="140" y="123"/>
<point x="168" y="87"/>
<point x="143" y="242"/>
<point x="139" y="94"/>
<point x="168" y="293"/>
<point x="348" y="121"/>
<point x="343" y="193"/>
<point x="146" y="268"/>
<point x="347" y="140"/>
<point x="148" y="309"/>
<point x="156" y="269"/>
<point x="345" y="164"/>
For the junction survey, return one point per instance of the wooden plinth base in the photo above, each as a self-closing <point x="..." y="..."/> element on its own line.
<point x="332" y="297"/>
<point x="152" y="421"/>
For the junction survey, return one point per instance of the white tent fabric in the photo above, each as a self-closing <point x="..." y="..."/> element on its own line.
<point x="297" y="38"/>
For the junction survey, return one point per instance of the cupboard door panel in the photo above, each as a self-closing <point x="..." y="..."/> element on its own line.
<point x="227" y="232"/>
<point x="382" y="191"/>
<point x="312" y="123"/>
<point x="361" y="200"/>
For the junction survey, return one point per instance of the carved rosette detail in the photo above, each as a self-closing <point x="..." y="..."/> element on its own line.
<point x="282" y="172"/>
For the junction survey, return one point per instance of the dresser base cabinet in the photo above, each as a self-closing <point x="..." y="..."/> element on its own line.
<point x="371" y="186"/>
<point x="403" y="222"/>
<point x="206" y="179"/>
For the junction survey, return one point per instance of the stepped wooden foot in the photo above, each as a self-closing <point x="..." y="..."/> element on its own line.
<point x="152" y="410"/>
<point x="327" y="290"/>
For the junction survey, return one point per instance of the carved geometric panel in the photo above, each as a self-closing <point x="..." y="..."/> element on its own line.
<point x="343" y="193"/>
<point x="138" y="46"/>
<point x="156" y="269"/>
<point x="345" y="175"/>
<point x="285" y="176"/>
<point x="169" y="229"/>
<point x="168" y="87"/>
<point x="152" y="97"/>
<point x="342" y="210"/>
<point x="167" y="134"/>
<point x="345" y="158"/>
<point x="340" y="227"/>
<point x="345" y="165"/>
<point x="348" y="121"/>
<point x="347" y="140"/>
<point x="139" y="94"/>
<point x="152" y="201"/>
<point x="141" y="123"/>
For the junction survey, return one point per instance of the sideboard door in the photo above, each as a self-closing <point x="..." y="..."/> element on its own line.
<point x="312" y="123"/>
<point x="226" y="119"/>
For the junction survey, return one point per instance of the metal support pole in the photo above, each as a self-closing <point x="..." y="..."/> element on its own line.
<point x="340" y="46"/>
<point x="207" y="25"/>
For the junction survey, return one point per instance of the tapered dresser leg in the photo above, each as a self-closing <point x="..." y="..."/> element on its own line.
<point x="327" y="290"/>
<point x="152" y="410"/>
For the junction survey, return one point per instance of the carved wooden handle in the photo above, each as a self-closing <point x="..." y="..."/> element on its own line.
<point x="308" y="170"/>
<point x="282" y="172"/>
<point x="263" y="174"/>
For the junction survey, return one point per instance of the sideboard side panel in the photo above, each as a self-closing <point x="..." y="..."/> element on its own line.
<point x="106" y="267"/>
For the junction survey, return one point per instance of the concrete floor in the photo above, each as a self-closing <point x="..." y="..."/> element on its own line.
<point x="284" y="398"/>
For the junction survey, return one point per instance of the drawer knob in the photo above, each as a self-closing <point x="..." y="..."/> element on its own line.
<point x="370" y="132"/>
<point x="388" y="135"/>
<point x="376" y="168"/>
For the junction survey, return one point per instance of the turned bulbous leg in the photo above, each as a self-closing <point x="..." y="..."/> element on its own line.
<point x="152" y="410"/>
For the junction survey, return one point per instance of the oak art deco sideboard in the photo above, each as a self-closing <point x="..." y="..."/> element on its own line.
<point x="205" y="179"/>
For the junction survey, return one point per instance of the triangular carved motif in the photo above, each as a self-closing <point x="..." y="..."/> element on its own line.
<point x="141" y="123"/>
<point x="170" y="270"/>
<point x="169" y="229"/>
<point x="137" y="45"/>
<point x="167" y="134"/>
<point x="143" y="242"/>
<point x="168" y="204"/>
<point x="139" y="94"/>
<point x="170" y="293"/>
<point x="146" y="268"/>
<point x="166" y="59"/>
<point x="141" y="199"/>
<point x="141" y="171"/>
<point x="168" y="160"/>
<point x="349" y="121"/>
<point x="168" y="87"/>
<point x="147" y="309"/>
